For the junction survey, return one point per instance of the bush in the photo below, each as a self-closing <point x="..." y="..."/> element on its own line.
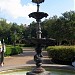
<point x="61" y="54"/>
<point x="20" y="45"/>
<point x="13" y="50"/>
<point x="19" y="50"/>
<point x="8" y="51"/>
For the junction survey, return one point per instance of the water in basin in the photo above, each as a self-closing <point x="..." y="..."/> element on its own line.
<point x="53" y="72"/>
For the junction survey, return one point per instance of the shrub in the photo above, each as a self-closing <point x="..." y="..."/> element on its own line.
<point x="8" y="51"/>
<point x="19" y="50"/>
<point x="61" y="54"/>
<point x="29" y="45"/>
<point x="13" y="50"/>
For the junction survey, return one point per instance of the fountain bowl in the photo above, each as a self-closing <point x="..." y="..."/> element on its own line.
<point x="41" y="41"/>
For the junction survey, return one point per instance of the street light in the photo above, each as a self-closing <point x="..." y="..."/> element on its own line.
<point x="37" y="1"/>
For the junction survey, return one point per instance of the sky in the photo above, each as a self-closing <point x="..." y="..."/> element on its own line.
<point x="18" y="10"/>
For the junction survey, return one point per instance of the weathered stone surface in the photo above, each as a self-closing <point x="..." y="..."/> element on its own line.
<point x="43" y="73"/>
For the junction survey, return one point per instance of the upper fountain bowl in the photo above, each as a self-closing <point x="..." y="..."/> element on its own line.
<point x="38" y="15"/>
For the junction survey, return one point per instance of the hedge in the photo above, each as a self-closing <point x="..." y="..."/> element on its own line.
<point x="61" y="54"/>
<point x="13" y="50"/>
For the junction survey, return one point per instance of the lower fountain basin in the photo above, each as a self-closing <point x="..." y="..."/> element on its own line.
<point x="42" y="41"/>
<point x="52" y="72"/>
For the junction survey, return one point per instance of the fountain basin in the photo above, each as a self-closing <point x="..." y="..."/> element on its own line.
<point x="42" y="41"/>
<point x="30" y="66"/>
<point x="53" y="71"/>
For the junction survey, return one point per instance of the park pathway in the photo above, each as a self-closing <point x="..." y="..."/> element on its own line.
<point x="27" y="57"/>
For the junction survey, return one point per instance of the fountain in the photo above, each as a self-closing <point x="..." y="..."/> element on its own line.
<point x="39" y="42"/>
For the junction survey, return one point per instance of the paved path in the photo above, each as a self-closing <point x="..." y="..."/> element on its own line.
<point x="26" y="59"/>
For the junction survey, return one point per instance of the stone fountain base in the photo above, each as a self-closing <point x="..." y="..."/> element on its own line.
<point x="38" y="71"/>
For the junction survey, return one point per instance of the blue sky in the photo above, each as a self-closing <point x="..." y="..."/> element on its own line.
<point x="18" y="10"/>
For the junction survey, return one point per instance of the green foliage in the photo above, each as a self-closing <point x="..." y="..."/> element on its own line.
<point x="8" y="51"/>
<point x="61" y="54"/>
<point x="62" y="28"/>
<point x="11" y="32"/>
<point x="20" y="45"/>
<point x="29" y="45"/>
<point x="11" y="50"/>
<point x="59" y="28"/>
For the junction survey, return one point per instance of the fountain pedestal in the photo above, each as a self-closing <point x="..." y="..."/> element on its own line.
<point x="43" y="73"/>
<point x="38" y="70"/>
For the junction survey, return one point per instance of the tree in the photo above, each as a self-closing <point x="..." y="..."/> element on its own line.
<point x="70" y="26"/>
<point x="4" y="29"/>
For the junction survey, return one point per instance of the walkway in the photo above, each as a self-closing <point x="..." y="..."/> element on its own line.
<point x="26" y="59"/>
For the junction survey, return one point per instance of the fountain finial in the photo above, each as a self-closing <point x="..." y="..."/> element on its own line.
<point x="37" y="1"/>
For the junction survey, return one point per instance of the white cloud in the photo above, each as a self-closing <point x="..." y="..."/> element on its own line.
<point x="15" y="8"/>
<point x="8" y="21"/>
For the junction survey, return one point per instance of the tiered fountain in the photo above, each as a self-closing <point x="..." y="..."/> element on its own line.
<point x="38" y="41"/>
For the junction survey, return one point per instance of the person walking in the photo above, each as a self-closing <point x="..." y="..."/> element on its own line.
<point x="1" y="64"/>
<point x="2" y="50"/>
